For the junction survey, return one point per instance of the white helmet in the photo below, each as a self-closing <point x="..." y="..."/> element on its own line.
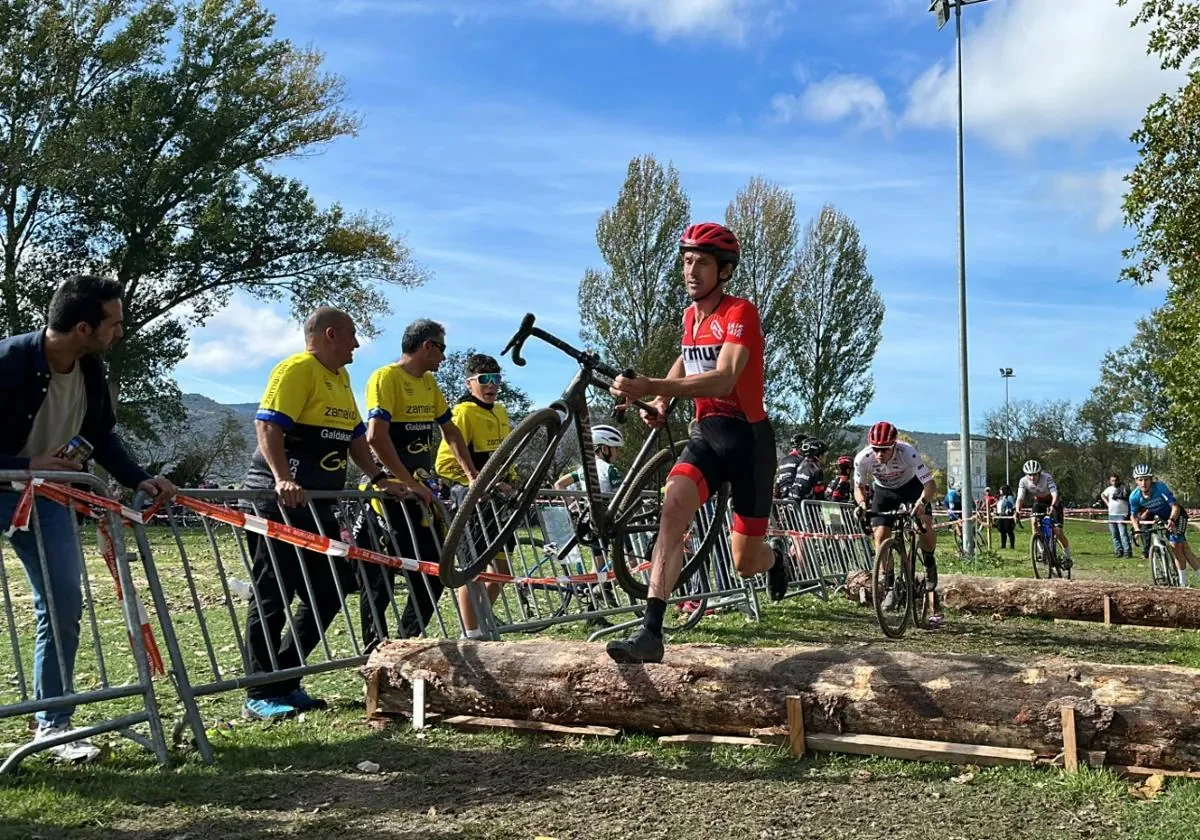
<point x="1142" y="471"/>
<point x="1032" y="467"/>
<point x="606" y="436"/>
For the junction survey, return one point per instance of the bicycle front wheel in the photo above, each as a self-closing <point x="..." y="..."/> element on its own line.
<point x="636" y="522"/>
<point x="894" y="602"/>
<point x="1039" y="556"/>
<point x="1160" y="567"/>
<point x="485" y="522"/>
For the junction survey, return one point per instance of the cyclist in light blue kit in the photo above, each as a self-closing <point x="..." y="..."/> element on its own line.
<point x="1153" y="498"/>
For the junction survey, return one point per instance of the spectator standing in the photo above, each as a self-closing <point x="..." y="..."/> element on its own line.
<point x="1116" y="496"/>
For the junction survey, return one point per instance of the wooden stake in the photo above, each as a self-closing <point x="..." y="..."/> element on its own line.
<point x="373" y="696"/>
<point x="418" y="703"/>
<point x="795" y="716"/>
<point x="1107" y="609"/>
<point x="1070" y="750"/>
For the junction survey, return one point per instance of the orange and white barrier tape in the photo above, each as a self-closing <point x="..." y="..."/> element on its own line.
<point x="65" y="495"/>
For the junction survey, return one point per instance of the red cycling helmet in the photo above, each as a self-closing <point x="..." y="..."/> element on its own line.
<point x="845" y="461"/>
<point x="711" y="238"/>
<point x="882" y="433"/>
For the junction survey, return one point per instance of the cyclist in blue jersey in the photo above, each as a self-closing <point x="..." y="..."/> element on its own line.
<point x="1155" y="500"/>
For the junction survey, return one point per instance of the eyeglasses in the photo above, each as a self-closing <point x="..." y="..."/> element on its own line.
<point x="439" y="345"/>
<point x="882" y="448"/>
<point x="487" y="378"/>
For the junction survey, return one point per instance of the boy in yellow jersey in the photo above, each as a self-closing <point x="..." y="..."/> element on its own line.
<point x="306" y="425"/>
<point x="483" y="423"/>
<point x="403" y="404"/>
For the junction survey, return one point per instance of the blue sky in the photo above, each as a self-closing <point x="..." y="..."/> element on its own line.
<point x="496" y="131"/>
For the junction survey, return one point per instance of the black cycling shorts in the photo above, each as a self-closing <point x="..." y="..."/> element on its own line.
<point x="888" y="499"/>
<point x="729" y="449"/>
<point x="1056" y="512"/>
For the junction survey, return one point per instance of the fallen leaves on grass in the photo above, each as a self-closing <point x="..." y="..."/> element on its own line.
<point x="1152" y="788"/>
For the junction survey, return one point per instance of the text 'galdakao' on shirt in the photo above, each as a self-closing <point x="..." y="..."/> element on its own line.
<point x="736" y="321"/>
<point x="411" y="405"/>
<point x="316" y="409"/>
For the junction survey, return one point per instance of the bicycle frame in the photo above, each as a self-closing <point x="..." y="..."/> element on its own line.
<point x="572" y="405"/>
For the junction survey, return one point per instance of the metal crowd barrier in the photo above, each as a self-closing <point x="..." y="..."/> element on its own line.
<point x="826" y="543"/>
<point x="228" y="576"/>
<point x="111" y="684"/>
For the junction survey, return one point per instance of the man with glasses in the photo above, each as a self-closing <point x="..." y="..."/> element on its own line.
<point x="403" y="404"/>
<point x="484" y="425"/>
<point x="889" y="473"/>
<point x="1038" y="486"/>
<point x="1155" y="499"/>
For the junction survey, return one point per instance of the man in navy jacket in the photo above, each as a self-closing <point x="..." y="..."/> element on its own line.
<point x="53" y="388"/>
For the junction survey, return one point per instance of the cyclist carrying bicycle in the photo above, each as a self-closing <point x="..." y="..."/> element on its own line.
<point x="1156" y="499"/>
<point x="1038" y="486"/>
<point x="889" y="473"/>
<point x="721" y="369"/>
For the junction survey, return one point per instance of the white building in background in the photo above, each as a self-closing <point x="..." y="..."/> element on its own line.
<point x="954" y="465"/>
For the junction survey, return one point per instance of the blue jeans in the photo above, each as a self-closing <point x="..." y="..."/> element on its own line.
<point x="64" y="560"/>
<point x="1118" y="529"/>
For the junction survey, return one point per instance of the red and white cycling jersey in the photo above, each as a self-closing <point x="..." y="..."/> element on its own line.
<point x="1041" y="490"/>
<point x="735" y="320"/>
<point x="904" y="465"/>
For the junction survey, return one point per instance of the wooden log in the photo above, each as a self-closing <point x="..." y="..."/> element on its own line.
<point x="1076" y="600"/>
<point x="1140" y="715"/>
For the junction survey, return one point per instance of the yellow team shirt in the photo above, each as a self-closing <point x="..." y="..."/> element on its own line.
<point x="317" y="411"/>
<point x="483" y="427"/>
<point x="412" y="405"/>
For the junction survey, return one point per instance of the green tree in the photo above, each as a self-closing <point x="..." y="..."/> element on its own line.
<point x="1162" y="205"/>
<point x="190" y="456"/>
<point x="631" y="311"/>
<point x="164" y="181"/>
<point x="763" y="216"/>
<point x="838" y="326"/>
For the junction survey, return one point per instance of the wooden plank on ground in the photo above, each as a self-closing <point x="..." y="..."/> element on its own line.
<point x="914" y="749"/>
<point x="702" y="740"/>
<point x="1133" y="770"/>
<point x="468" y="723"/>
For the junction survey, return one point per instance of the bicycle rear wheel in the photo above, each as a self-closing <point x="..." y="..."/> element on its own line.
<point x="635" y="526"/>
<point x="484" y="522"/>
<point x="893" y="617"/>
<point x="1160" y="567"/>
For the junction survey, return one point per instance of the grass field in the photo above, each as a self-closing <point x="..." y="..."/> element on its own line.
<point x="299" y="778"/>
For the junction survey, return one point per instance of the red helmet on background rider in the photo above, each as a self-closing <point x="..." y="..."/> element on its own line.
<point x="712" y="238"/>
<point x="844" y="463"/>
<point x="882" y="434"/>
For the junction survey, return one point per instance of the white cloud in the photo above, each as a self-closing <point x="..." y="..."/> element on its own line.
<point x="728" y="19"/>
<point x="1096" y="196"/>
<point x="1035" y="70"/>
<point x="836" y="98"/>
<point x="241" y="336"/>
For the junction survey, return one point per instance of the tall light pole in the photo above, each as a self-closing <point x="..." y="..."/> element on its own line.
<point x="941" y="11"/>
<point x="1007" y="373"/>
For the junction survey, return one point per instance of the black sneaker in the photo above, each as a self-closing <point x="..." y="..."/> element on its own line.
<point x="777" y="581"/>
<point x="642" y="646"/>
<point x="931" y="578"/>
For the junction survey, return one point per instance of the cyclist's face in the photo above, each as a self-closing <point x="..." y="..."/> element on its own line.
<point x="483" y="391"/>
<point x="701" y="274"/>
<point x="1146" y="482"/>
<point x="884" y="453"/>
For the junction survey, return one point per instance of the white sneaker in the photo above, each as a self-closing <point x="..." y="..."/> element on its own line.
<point x="77" y="752"/>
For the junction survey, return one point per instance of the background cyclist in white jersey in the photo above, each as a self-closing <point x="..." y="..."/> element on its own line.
<point x="1038" y="490"/>
<point x="889" y="473"/>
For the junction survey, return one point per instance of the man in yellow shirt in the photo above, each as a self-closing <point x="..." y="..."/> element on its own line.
<point x="403" y="404"/>
<point x="484" y="425"/>
<point x="306" y="425"/>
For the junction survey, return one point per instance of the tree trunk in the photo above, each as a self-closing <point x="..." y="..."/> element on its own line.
<point x="1079" y="600"/>
<point x="1140" y="715"/>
